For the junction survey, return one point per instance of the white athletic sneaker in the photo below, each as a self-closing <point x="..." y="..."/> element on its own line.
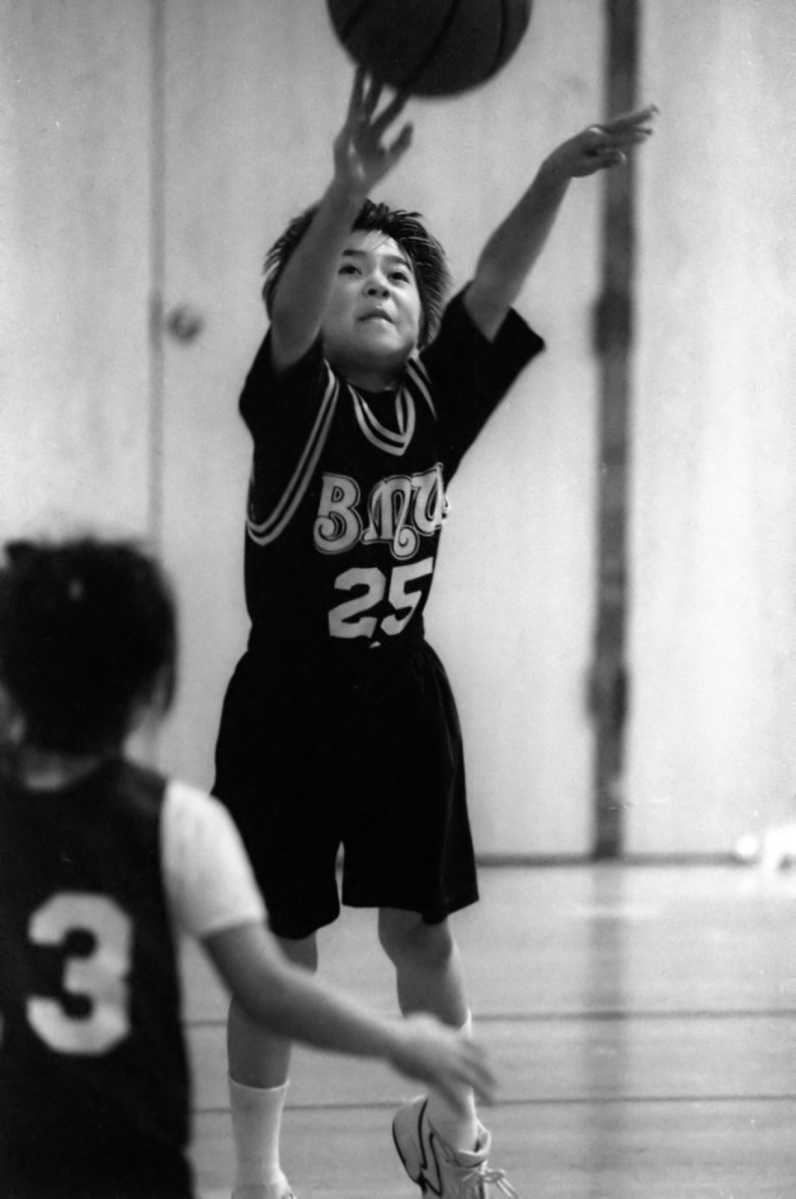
<point x="436" y="1167"/>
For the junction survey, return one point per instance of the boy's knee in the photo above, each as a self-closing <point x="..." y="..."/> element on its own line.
<point x="406" y="936"/>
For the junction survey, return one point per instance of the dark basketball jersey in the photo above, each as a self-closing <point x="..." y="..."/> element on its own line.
<point x="347" y="493"/>
<point x="93" y="1078"/>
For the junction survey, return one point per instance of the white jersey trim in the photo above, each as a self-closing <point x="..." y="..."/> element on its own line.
<point x="391" y="441"/>
<point x="268" y="530"/>
<point x="419" y="376"/>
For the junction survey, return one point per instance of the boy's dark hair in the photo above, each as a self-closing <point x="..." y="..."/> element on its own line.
<point x="87" y="631"/>
<point x="405" y="228"/>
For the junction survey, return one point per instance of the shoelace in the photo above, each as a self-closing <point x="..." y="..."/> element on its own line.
<point x="475" y="1178"/>
<point x="498" y="1178"/>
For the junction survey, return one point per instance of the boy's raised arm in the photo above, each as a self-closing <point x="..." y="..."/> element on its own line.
<point x="360" y="161"/>
<point x="513" y="248"/>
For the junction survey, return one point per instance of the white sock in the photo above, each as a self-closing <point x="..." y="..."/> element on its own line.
<point x="459" y="1129"/>
<point x="256" y="1122"/>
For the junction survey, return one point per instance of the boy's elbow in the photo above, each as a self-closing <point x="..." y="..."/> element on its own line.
<point x="290" y="341"/>
<point x="487" y="303"/>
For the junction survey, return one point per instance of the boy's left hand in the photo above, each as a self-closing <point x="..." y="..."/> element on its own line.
<point x="602" y="146"/>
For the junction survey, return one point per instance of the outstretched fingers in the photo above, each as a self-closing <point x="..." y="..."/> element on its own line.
<point x="628" y="128"/>
<point x="360" y="151"/>
<point x="364" y="99"/>
<point x="372" y="95"/>
<point x="401" y="144"/>
<point x="366" y="93"/>
<point x="640" y="116"/>
<point x="390" y="112"/>
<point x="608" y="144"/>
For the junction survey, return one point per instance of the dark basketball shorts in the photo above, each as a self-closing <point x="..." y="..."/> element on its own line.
<point x="366" y="755"/>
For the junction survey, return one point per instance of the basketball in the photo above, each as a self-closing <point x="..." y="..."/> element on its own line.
<point x="431" y="47"/>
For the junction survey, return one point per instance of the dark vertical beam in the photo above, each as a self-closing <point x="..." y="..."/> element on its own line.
<point x="149" y="737"/>
<point x="613" y="340"/>
<point x="157" y="266"/>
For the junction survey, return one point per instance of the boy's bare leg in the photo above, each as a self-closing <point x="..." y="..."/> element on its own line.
<point x="429" y="978"/>
<point x="258" y="1073"/>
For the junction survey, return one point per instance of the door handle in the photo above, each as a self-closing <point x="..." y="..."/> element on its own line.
<point x="184" y="322"/>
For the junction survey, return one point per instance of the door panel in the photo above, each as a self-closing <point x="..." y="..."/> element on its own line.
<point x="75" y="266"/>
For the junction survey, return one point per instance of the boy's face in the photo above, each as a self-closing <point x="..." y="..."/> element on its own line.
<point x="372" y="322"/>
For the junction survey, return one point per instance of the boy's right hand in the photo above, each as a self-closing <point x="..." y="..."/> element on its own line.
<point x="360" y="157"/>
<point x="442" y="1058"/>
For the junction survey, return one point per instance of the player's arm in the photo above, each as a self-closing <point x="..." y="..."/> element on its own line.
<point x="361" y="159"/>
<point x="512" y="250"/>
<point x="289" y="1001"/>
<point x="214" y="897"/>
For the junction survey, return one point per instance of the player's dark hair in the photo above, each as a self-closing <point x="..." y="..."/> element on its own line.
<point x="87" y="632"/>
<point x="405" y="228"/>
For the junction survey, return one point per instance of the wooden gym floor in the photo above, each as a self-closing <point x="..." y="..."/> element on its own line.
<point x="642" y="1020"/>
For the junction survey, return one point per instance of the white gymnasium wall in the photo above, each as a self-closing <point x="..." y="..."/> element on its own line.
<point x="713" y="630"/>
<point x="75" y="98"/>
<point x="513" y="601"/>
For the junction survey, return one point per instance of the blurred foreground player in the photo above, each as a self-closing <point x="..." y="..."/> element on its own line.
<point x="102" y="864"/>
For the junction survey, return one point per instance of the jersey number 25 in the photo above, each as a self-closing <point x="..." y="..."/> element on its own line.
<point x="350" y="618"/>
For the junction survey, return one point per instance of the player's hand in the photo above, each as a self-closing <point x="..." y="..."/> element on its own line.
<point x="602" y="146"/>
<point x="442" y="1058"/>
<point x="361" y="157"/>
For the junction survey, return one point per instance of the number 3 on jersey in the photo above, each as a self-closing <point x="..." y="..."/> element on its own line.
<point x="99" y="976"/>
<point x="349" y="619"/>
